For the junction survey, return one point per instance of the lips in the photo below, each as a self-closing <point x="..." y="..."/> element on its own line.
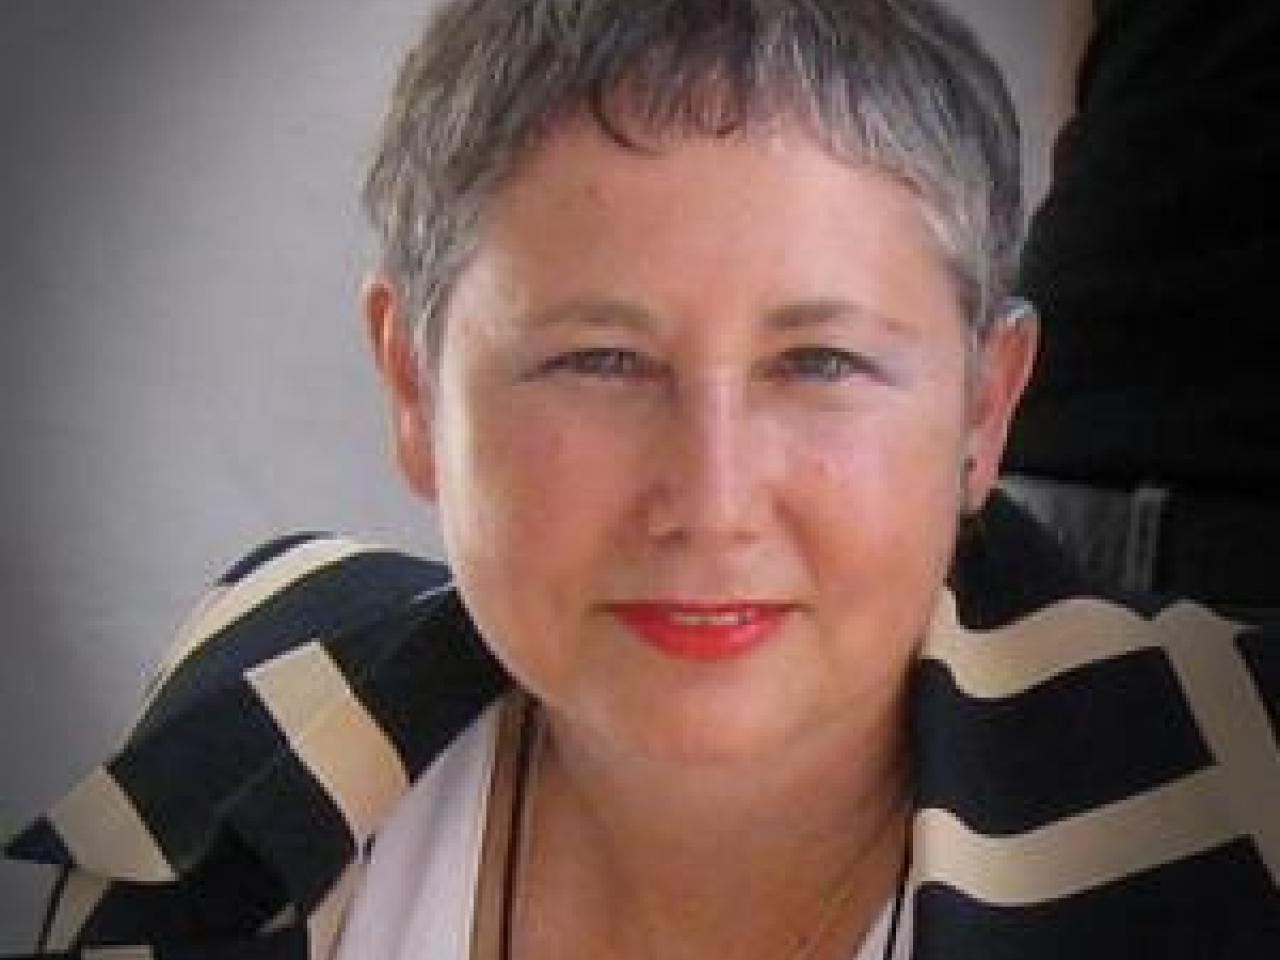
<point x="702" y="631"/>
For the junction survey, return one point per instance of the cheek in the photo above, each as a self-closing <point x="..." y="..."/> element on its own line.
<point x="880" y="491"/>
<point x="905" y="452"/>
<point x="528" y="482"/>
<point x="531" y="518"/>
<point x="878" y="530"/>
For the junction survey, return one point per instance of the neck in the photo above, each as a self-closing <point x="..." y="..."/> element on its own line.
<point x="742" y="859"/>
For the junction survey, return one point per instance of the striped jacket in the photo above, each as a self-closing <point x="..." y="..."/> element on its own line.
<point x="1092" y="780"/>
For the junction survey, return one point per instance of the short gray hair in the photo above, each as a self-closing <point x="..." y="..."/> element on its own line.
<point x="900" y="85"/>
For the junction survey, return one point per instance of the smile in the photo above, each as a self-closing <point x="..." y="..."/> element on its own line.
<point x="704" y="632"/>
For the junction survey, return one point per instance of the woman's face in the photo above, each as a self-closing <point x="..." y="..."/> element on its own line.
<point x="697" y="435"/>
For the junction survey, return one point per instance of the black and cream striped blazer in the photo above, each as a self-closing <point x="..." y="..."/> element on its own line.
<point x="1094" y="781"/>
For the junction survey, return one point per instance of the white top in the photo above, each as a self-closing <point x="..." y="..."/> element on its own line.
<point x="417" y="897"/>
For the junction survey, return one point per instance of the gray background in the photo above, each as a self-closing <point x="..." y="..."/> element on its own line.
<point x="182" y="363"/>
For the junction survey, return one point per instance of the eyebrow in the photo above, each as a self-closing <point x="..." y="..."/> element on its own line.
<point x="825" y="312"/>
<point x="607" y="313"/>
<point x="588" y="312"/>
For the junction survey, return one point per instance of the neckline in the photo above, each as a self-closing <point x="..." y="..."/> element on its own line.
<point x="505" y="831"/>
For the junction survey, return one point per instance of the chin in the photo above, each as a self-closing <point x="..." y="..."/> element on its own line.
<point x="710" y="728"/>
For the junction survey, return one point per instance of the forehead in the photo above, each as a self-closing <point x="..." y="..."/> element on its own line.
<point x="753" y="219"/>
<point x="580" y="169"/>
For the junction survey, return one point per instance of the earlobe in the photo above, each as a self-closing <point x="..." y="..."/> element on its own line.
<point x="408" y="395"/>
<point x="1004" y="365"/>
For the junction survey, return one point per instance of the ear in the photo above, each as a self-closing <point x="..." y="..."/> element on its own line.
<point x="1002" y="368"/>
<point x="409" y="393"/>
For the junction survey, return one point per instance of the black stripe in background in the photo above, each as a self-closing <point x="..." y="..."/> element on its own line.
<point x="182" y="778"/>
<point x="267" y="552"/>
<point x="1085" y="738"/>
<point x="1260" y="649"/>
<point x="287" y="944"/>
<point x="434" y="677"/>
<point x="51" y="906"/>
<point x="227" y="898"/>
<point x="38" y="843"/>
<point x="291" y="823"/>
<point x="340" y="596"/>
<point x="1219" y="905"/>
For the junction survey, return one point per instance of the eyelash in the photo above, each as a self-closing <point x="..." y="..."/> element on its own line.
<point x="810" y="363"/>
<point x="822" y="364"/>
<point x="607" y="363"/>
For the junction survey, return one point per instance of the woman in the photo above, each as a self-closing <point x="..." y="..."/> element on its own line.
<point x="694" y="327"/>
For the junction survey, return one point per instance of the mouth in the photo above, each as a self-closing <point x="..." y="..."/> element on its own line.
<point x="702" y="631"/>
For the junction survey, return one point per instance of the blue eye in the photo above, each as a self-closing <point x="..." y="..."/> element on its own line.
<point x="610" y="363"/>
<point x="821" y="364"/>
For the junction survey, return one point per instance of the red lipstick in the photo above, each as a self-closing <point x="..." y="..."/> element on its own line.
<point x="702" y="631"/>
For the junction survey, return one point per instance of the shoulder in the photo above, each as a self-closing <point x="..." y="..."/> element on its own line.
<point x="312" y="685"/>
<point x="281" y="595"/>
<point x="1093" y="774"/>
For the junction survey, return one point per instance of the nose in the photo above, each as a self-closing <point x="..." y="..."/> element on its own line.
<point x="710" y="467"/>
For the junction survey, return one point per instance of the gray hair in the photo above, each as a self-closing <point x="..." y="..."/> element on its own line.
<point x="899" y="85"/>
